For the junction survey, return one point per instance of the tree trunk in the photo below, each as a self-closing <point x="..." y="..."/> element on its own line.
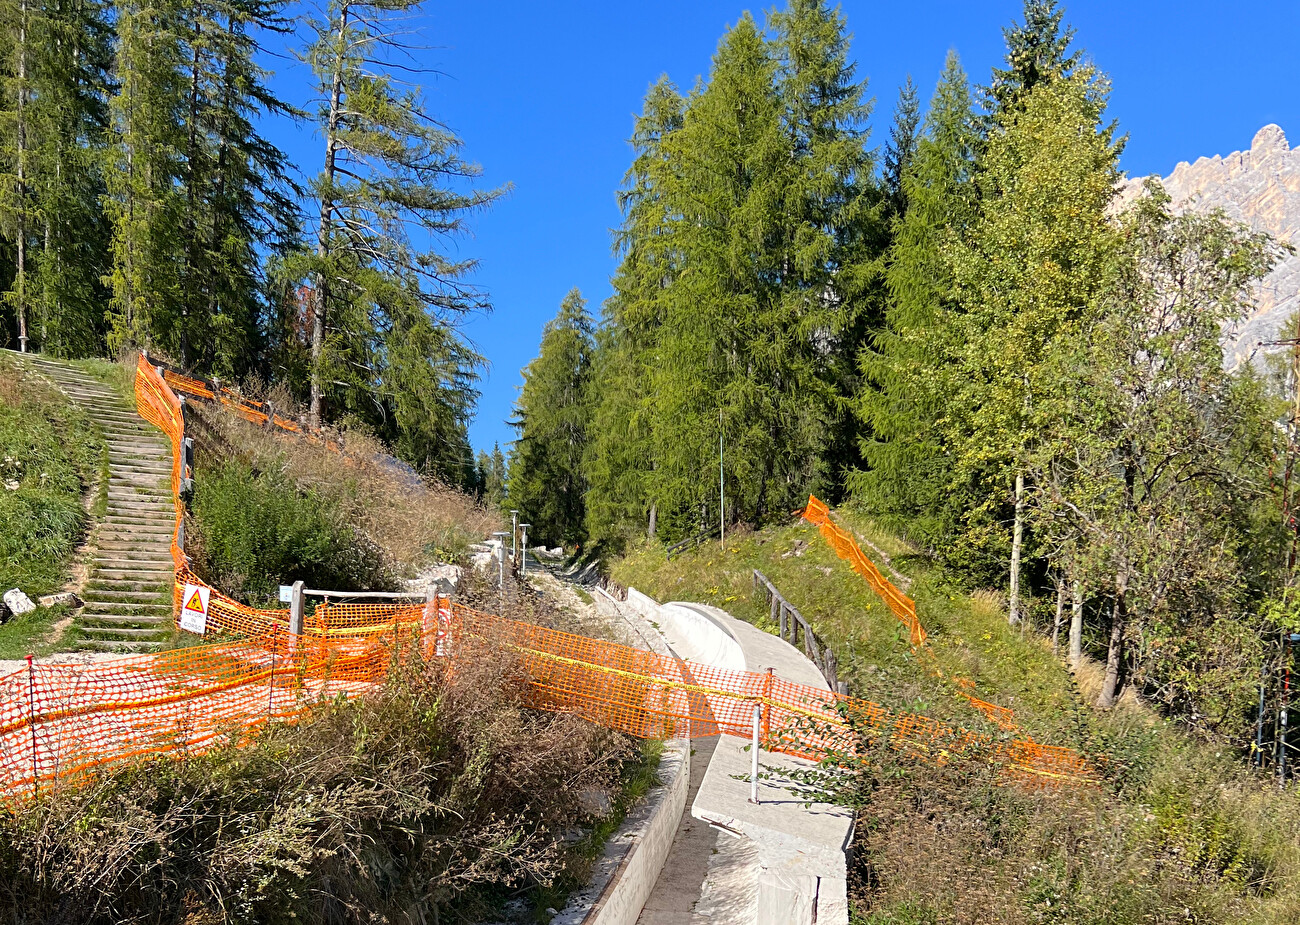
<point x="654" y="517"/>
<point x="1017" y="537"/>
<point x="191" y="198"/>
<point x="1115" y="654"/>
<point x="326" y="214"/>
<point x="1060" y="616"/>
<point x="20" y="269"/>
<point x="1076" y="626"/>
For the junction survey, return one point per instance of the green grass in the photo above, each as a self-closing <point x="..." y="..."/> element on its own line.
<point x="52" y="453"/>
<point x="1181" y="829"/>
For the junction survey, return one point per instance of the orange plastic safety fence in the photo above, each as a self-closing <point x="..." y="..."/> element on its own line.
<point x="59" y="722"/>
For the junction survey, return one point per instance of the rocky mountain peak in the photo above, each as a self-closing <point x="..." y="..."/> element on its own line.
<point x="1260" y="187"/>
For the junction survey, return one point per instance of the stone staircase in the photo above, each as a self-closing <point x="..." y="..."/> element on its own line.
<point x="128" y="594"/>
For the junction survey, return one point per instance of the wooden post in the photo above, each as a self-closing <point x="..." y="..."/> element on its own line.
<point x="780" y="615"/>
<point x="830" y="668"/>
<point x="296" y="609"/>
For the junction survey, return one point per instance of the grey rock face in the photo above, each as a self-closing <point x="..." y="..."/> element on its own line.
<point x="1261" y="188"/>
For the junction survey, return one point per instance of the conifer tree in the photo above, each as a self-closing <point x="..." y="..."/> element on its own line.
<point x="832" y="234"/>
<point x="620" y="459"/>
<point x="906" y="368"/>
<point x="71" y="88"/>
<point x="901" y="149"/>
<point x="1038" y="51"/>
<point x="546" y="467"/>
<point x="721" y="348"/>
<point x="383" y="303"/>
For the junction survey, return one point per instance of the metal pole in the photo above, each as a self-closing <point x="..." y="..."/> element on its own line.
<point x="722" y="491"/>
<point x="514" y="535"/>
<point x="31" y="713"/>
<point x="501" y="559"/>
<point x="523" y="563"/>
<point x="753" y="757"/>
<point x="1258" y="757"/>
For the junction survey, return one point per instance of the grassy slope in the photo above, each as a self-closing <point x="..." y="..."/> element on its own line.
<point x="1181" y="831"/>
<point x="54" y="453"/>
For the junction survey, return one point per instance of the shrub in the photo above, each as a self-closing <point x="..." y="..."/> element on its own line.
<point x="255" y="530"/>
<point x="430" y="800"/>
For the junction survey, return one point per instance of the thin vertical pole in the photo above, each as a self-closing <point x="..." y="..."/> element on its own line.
<point x="753" y="763"/>
<point x="722" y="489"/>
<point x="31" y="714"/>
<point x="1258" y="757"/>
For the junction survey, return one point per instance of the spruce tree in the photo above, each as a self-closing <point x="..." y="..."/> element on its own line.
<point x="552" y="415"/>
<point x="906" y="368"/>
<point x="901" y="149"/>
<point x="1038" y="51"/>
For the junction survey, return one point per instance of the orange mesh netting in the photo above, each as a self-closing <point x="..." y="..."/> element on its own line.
<point x="60" y="722"/>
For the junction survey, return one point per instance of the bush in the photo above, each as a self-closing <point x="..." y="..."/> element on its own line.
<point x="433" y="799"/>
<point x="51" y="452"/>
<point x="255" y="530"/>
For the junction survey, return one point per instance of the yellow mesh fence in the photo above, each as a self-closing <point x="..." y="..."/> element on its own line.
<point x="61" y="722"/>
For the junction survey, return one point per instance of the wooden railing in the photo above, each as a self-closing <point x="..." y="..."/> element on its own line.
<point x="793" y="628"/>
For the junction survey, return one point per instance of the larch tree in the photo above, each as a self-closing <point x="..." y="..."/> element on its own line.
<point x="552" y="415"/>
<point x="385" y="297"/>
<point x="620" y="459"/>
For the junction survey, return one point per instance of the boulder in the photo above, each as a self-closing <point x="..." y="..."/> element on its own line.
<point x="18" y="603"/>
<point x="62" y="599"/>
<point x="444" y="579"/>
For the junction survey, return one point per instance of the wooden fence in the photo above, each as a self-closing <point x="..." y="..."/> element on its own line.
<point x="793" y="628"/>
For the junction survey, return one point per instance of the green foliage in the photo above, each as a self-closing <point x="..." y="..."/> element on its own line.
<point x="546" y="481"/>
<point x="258" y="530"/>
<point x="907" y="367"/>
<point x="49" y="455"/>
<point x="751" y="226"/>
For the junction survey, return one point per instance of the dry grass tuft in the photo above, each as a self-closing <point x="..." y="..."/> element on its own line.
<point x="414" y="520"/>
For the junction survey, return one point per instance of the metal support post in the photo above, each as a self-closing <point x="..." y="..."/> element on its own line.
<point x="514" y="535"/>
<point x="753" y="756"/>
<point x="523" y="563"/>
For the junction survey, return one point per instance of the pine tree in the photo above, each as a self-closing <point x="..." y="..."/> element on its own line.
<point x="901" y="149"/>
<point x="552" y="414"/>
<point x="906" y="368"/>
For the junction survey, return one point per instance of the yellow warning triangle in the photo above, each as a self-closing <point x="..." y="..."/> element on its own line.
<point x="195" y="602"/>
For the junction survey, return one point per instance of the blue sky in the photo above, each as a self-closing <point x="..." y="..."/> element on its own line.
<point x="543" y="95"/>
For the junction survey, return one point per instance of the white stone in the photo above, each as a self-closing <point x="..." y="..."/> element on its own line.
<point x="11" y="484"/>
<point x="18" y="602"/>
<point x="63" y="598"/>
<point x="444" y="579"/>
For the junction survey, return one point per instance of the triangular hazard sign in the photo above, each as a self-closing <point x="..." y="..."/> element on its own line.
<point x="195" y="603"/>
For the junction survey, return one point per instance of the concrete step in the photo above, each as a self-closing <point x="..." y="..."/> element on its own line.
<point x="119" y="620"/>
<point x="145" y="634"/>
<point x="123" y="609"/>
<point x="109" y="596"/>
<point x="156" y="575"/>
<point x="161" y="563"/>
<point x="123" y="519"/>
<point x="150" y="587"/>
<point x="120" y="647"/>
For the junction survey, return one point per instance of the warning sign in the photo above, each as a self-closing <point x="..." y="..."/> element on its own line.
<point x="194" y="609"/>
